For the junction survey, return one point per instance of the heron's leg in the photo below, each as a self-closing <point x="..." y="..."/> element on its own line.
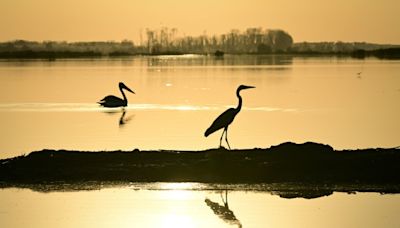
<point x="226" y="198"/>
<point x="220" y="140"/>
<point x="222" y="197"/>
<point x="225" y="201"/>
<point x="226" y="138"/>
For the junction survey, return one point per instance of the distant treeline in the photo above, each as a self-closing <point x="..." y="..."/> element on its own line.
<point x="388" y="53"/>
<point x="30" y="54"/>
<point x="251" y="41"/>
<point x="54" y="49"/>
<point x="352" y="49"/>
<point x="166" y="41"/>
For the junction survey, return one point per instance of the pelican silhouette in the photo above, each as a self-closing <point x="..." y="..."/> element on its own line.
<point x="226" y="118"/>
<point x="112" y="101"/>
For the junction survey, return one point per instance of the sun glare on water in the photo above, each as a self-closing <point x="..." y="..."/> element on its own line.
<point x="177" y="221"/>
<point x="178" y="215"/>
<point x="177" y="186"/>
<point x="175" y="191"/>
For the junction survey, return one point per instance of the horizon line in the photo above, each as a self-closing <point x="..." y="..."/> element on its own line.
<point x="136" y="43"/>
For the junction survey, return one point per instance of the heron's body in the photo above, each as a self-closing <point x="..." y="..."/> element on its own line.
<point x="226" y="118"/>
<point x="222" y="121"/>
<point x="112" y="101"/>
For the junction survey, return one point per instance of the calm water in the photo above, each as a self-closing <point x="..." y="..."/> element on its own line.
<point x="192" y="205"/>
<point x="52" y="104"/>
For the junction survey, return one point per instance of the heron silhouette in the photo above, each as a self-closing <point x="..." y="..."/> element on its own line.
<point x="226" y="118"/>
<point x="112" y="101"/>
<point x="223" y="211"/>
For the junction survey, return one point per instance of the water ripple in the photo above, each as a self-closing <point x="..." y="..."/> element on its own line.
<point x="92" y="107"/>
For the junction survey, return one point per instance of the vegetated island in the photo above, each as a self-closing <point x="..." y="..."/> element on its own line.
<point x="312" y="163"/>
<point x="165" y="41"/>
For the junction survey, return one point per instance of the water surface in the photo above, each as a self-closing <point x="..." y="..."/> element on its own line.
<point x="192" y="205"/>
<point x="347" y="103"/>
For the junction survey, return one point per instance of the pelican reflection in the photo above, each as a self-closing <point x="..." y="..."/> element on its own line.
<point x="223" y="211"/>
<point x="124" y="120"/>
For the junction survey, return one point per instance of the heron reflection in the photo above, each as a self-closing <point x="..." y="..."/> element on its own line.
<point x="223" y="211"/>
<point x="226" y="118"/>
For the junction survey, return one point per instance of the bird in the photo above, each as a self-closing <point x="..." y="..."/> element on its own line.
<point x="112" y="101"/>
<point x="226" y="118"/>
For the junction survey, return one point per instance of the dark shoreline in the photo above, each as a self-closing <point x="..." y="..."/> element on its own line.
<point x="386" y="53"/>
<point x="284" y="190"/>
<point x="311" y="163"/>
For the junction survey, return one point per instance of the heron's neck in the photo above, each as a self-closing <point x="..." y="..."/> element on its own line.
<point x="240" y="102"/>
<point x="123" y="94"/>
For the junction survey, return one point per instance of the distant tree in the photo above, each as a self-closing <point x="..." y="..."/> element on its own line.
<point x="281" y="40"/>
<point x="264" y="49"/>
<point x="150" y="39"/>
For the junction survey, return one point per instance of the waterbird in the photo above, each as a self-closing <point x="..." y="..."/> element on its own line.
<point x="226" y="118"/>
<point x="112" y="101"/>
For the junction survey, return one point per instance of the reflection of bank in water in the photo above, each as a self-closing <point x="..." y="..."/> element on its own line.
<point x="223" y="211"/>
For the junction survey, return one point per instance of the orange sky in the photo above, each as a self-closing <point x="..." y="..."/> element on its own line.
<point x="307" y="20"/>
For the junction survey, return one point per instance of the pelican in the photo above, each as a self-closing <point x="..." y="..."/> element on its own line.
<point x="112" y="101"/>
<point x="226" y="118"/>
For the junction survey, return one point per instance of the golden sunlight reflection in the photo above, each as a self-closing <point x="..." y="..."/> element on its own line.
<point x="90" y="107"/>
<point x="176" y="191"/>
<point x="126" y="207"/>
<point x="178" y="186"/>
<point x="175" y="194"/>
<point x="176" y="221"/>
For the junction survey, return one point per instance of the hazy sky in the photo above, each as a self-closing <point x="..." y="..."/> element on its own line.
<point x="307" y="20"/>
